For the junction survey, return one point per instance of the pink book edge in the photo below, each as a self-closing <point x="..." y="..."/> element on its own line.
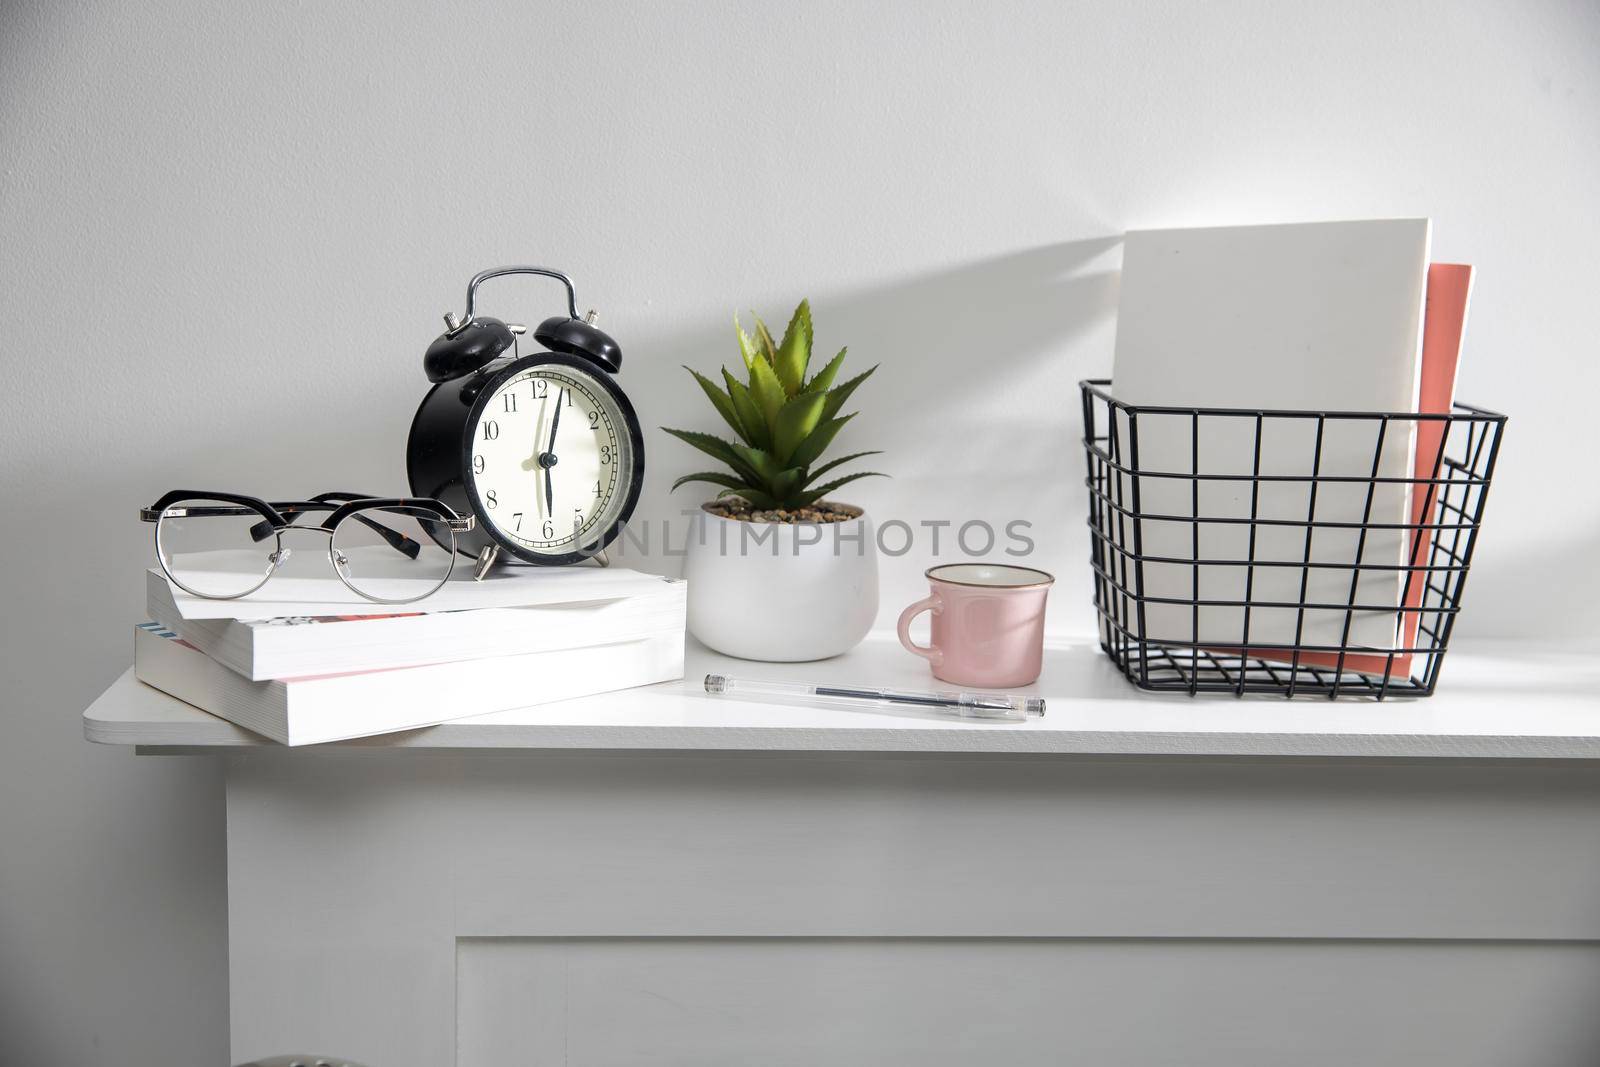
<point x="1444" y="323"/>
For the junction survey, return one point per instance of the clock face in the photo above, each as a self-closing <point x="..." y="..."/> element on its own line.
<point x="551" y="461"/>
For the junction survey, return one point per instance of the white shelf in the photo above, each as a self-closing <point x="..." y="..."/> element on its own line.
<point x="1494" y="702"/>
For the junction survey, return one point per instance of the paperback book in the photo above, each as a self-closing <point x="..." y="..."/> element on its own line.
<point x="334" y="707"/>
<point x="300" y="645"/>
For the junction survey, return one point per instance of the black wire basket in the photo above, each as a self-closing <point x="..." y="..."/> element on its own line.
<point x="1294" y="553"/>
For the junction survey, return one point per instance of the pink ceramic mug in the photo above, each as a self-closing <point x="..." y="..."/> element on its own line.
<point x="987" y="623"/>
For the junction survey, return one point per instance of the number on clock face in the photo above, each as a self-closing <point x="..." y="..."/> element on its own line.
<point x="547" y="460"/>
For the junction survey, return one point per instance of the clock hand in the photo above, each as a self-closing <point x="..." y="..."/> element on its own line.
<point x="537" y="460"/>
<point x="555" y="422"/>
<point x="550" y="452"/>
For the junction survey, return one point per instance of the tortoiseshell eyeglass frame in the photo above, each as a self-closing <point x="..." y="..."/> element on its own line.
<point x="276" y="517"/>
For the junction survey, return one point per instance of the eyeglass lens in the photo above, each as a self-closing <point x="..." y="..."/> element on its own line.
<point x="389" y="553"/>
<point x="213" y="548"/>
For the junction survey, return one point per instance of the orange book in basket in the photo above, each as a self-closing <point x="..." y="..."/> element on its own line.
<point x="1445" y="317"/>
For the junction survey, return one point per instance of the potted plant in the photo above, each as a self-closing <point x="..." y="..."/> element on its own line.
<point x="777" y="572"/>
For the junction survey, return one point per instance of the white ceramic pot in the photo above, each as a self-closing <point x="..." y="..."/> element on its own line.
<point x="781" y="591"/>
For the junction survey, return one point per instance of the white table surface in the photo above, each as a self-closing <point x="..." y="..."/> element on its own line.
<point x="1495" y="701"/>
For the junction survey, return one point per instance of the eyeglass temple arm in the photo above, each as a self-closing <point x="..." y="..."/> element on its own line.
<point x="398" y="540"/>
<point x="329" y="501"/>
<point x="448" y="518"/>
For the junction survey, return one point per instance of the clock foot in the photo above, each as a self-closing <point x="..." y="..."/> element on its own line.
<point x="485" y="560"/>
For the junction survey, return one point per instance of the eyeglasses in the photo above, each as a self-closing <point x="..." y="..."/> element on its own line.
<point x="223" y="546"/>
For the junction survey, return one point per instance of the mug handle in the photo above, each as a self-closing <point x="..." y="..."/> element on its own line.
<point x="932" y="653"/>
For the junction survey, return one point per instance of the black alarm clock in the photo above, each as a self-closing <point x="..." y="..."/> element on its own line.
<point x="544" y="448"/>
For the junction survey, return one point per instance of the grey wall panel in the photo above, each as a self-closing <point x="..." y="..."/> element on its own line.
<point x="353" y="879"/>
<point x="930" y="1003"/>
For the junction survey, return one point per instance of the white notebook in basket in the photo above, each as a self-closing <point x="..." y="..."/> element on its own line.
<point x="1311" y="317"/>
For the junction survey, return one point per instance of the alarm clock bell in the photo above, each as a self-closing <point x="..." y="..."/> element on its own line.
<point x="580" y="337"/>
<point x="465" y="347"/>
<point x="473" y="342"/>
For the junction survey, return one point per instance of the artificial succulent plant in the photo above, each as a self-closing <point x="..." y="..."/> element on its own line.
<point x="784" y="421"/>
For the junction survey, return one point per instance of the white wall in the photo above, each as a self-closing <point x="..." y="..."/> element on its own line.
<point x="229" y="230"/>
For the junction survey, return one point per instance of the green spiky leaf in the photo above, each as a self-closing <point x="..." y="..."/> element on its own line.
<point x="768" y="392"/>
<point x="813" y="447"/>
<point x="723" y="403"/>
<point x="811" y="496"/>
<point x="837" y="396"/>
<point x="747" y="345"/>
<point x="767" y="469"/>
<point x="831" y="464"/>
<point x="714" y="477"/>
<point x="796" y="421"/>
<point x="768" y="347"/>
<point x="823" y="379"/>
<point x="793" y="354"/>
<point x="788" y="483"/>
<point x="718" y="449"/>
<point x="750" y="416"/>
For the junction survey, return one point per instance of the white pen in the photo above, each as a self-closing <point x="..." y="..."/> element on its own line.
<point x="1005" y="707"/>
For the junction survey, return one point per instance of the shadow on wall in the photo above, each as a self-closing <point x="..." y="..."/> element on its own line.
<point x="1019" y="306"/>
<point x="960" y="348"/>
<point x="1558" y="574"/>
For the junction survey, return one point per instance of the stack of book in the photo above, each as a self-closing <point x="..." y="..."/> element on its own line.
<point x="326" y="667"/>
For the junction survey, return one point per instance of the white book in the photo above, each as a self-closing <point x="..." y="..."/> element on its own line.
<point x="1308" y="317"/>
<point x="303" y="711"/>
<point x="305" y="645"/>
<point x="306" y="585"/>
